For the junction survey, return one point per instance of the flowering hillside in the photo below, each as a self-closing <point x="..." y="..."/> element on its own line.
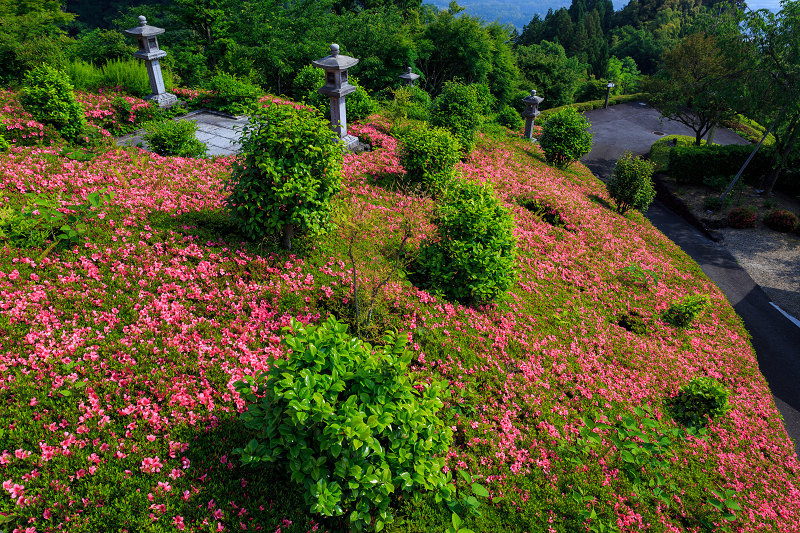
<point x="119" y="354"/>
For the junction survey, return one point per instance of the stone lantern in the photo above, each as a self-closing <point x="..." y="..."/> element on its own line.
<point x="151" y="54"/>
<point x="337" y="88"/>
<point x="531" y="112"/>
<point x="409" y="77"/>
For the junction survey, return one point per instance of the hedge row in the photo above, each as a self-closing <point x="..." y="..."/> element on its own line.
<point x="596" y="104"/>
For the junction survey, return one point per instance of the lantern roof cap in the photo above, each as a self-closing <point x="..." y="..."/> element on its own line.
<point x="408" y="75"/>
<point x="335" y="61"/>
<point x="533" y="99"/>
<point x="143" y="30"/>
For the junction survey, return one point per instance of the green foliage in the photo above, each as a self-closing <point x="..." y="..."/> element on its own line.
<point x="683" y="312"/>
<point x="631" y="184"/>
<point x="742" y="217"/>
<point x="42" y="219"/>
<point x="360" y="104"/>
<point x="582" y="107"/>
<point x="465" y="502"/>
<point x="100" y="46"/>
<point x="289" y="168"/>
<point x="232" y="95"/>
<point x="409" y="102"/>
<point x="624" y="73"/>
<point x="713" y="203"/>
<point x="546" y="67"/>
<point x="565" y="137"/>
<point x="508" y="117"/>
<point x="471" y="257"/>
<point x="636" y="276"/>
<point x="429" y="155"/>
<point x="697" y="401"/>
<point x="543" y="210"/>
<point x="457" y="109"/>
<point x="309" y="79"/>
<point x="632" y="322"/>
<point x="781" y="220"/>
<point x="174" y="138"/>
<point x="47" y="95"/>
<point x="85" y="76"/>
<point x="4" y="145"/>
<point x="348" y="423"/>
<point x="592" y="89"/>
<point x="131" y="75"/>
<point x="695" y="164"/>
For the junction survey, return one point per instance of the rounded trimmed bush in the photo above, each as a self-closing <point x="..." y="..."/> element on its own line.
<point x="471" y="257"/>
<point x="631" y="184"/>
<point x="232" y="95"/>
<point x="176" y="138"/>
<point x="565" y="137"/>
<point x="781" y="220"/>
<point x="47" y="95"/>
<point x="429" y="155"/>
<point x="742" y="218"/>
<point x="508" y="117"/>
<point x="347" y="422"/>
<point x="458" y="110"/>
<point x="290" y="165"/>
<point x="697" y="401"/>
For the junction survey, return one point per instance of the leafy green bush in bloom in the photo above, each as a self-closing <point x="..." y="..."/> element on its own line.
<point x="781" y="220"/>
<point x="681" y="313"/>
<point x="47" y="95"/>
<point x="631" y="184"/>
<point x="429" y="155"/>
<point x="471" y="257"/>
<point x="231" y="94"/>
<point x="347" y="421"/>
<point x="698" y="400"/>
<point x="458" y="110"/>
<point x="169" y="137"/>
<point x="565" y="137"/>
<point x="742" y="217"/>
<point x="290" y="166"/>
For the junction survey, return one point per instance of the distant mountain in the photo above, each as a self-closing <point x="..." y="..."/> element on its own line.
<point x="520" y="12"/>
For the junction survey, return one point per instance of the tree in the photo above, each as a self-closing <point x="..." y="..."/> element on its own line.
<point x="547" y="68"/>
<point x="692" y="79"/>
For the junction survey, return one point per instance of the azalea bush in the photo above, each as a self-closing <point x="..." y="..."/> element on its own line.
<point x="47" y="95"/>
<point x="348" y="423"/>
<point x="781" y="220"/>
<point x="742" y="217"/>
<point x="631" y="184"/>
<point x="565" y="137"/>
<point x="174" y="137"/>
<point x="471" y="257"/>
<point x="290" y="168"/>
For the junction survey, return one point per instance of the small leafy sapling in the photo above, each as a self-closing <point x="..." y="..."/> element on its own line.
<point x="565" y="138"/>
<point x="631" y="184"/>
<point x="700" y="399"/>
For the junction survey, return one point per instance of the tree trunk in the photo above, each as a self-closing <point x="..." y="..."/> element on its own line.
<point x="769" y="181"/>
<point x="288" y="233"/>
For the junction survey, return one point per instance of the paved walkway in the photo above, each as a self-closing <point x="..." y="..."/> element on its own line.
<point x="775" y="338"/>
<point x="220" y="132"/>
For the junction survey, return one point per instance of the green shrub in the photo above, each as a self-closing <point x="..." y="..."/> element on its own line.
<point x="360" y="104"/>
<point x="742" y="217"/>
<point x="508" y="117"/>
<point x="471" y="257"/>
<point x="683" y="312"/>
<point x="290" y="166"/>
<point x="305" y="88"/>
<point x="131" y="75"/>
<point x="47" y="95"/>
<point x="457" y="109"/>
<point x="592" y="90"/>
<point x="174" y="138"/>
<point x="700" y="164"/>
<point x="232" y="95"/>
<point x="347" y="422"/>
<point x="409" y="101"/>
<point x="713" y="203"/>
<point x="631" y="184"/>
<point x="781" y="220"/>
<point x="565" y="138"/>
<point x="429" y="155"/>
<point x="4" y="144"/>
<point x="84" y="76"/>
<point x="698" y="400"/>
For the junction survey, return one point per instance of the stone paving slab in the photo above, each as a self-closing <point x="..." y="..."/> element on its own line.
<point x="220" y="132"/>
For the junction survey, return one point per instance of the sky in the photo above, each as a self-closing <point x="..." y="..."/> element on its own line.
<point x="520" y="12"/>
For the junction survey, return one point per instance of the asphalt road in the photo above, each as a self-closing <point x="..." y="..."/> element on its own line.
<point x="775" y="338"/>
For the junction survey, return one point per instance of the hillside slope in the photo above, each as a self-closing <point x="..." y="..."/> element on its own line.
<point x="119" y="354"/>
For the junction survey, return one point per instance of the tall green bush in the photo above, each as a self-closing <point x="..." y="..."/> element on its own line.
<point x="429" y="155"/>
<point x="232" y="95"/>
<point x="457" y="109"/>
<point x="174" y="138"/>
<point x="347" y="422"/>
<point x="631" y="184"/>
<point x="410" y="102"/>
<point x="471" y="257"/>
<point x="47" y="95"/>
<point x="290" y="166"/>
<point x="565" y="137"/>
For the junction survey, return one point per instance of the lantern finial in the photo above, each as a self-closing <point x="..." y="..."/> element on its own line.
<point x="142" y="20"/>
<point x="334" y="49"/>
